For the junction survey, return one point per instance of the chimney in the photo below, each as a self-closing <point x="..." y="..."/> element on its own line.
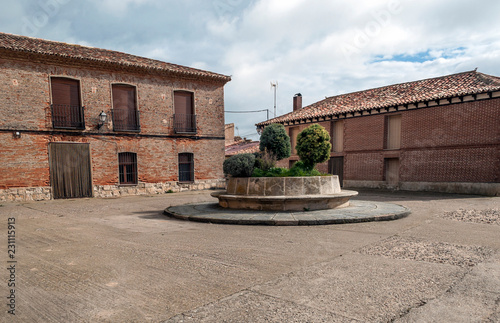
<point x="297" y="102"/>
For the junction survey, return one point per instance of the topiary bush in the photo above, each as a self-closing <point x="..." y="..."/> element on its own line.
<point x="275" y="141"/>
<point x="265" y="160"/>
<point x="240" y="165"/>
<point x="298" y="170"/>
<point x="313" y="146"/>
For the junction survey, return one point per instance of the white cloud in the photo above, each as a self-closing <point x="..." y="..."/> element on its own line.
<point x="318" y="48"/>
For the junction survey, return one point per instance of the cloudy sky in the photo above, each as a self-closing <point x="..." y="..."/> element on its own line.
<point x="316" y="47"/>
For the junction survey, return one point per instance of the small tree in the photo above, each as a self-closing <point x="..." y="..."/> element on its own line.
<point x="313" y="146"/>
<point x="275" y="141"/>
<point x="240" y="165"/>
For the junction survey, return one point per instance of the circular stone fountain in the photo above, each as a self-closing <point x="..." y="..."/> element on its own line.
<point x="284" y="193"/>
<point x="286" y="201"/>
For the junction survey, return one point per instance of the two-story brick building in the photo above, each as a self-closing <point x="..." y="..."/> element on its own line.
<point x="439" y="134"/>
<point x="77" y="121"/>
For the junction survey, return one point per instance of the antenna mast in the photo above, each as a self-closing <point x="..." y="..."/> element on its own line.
<point x="275" y="86"/>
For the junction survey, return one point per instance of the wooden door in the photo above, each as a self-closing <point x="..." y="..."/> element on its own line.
<point x="337" y="168"/>
<point x="392" y="171"/>
<point x="70" y="170"/>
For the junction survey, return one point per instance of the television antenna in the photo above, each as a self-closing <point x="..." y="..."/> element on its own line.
<point x="274" y="86"/>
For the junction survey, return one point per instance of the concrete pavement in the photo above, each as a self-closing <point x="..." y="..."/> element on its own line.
<point x="122" y="260"/>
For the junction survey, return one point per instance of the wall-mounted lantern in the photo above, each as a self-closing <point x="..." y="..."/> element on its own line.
<point x="103" y="118"/>
<point x="17" y="134"/>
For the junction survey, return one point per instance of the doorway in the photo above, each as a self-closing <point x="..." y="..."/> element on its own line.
<point x="70" y="174"/>
<point x="337" y="168"/>
<point x="392" y="171"/>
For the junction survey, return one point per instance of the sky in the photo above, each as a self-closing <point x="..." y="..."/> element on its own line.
<point x="318" y="48"/>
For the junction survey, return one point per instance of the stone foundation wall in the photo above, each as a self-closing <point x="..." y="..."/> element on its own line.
<point x="23" y="194"/>
<point x="105" y="191"/>
<point x="26" y="194"/>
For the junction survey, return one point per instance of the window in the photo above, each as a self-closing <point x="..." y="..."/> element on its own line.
<point x="184" y="117"/>
<point x="186" y="167"/>
<point x="67" y="111"/>
<point x="393" y="132"/>
<point x="337" y="136"/>
<point x="127" y="168"/>
<point x="125" y="113"/>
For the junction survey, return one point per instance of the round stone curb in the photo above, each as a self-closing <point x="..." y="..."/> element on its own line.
<point x="358" y="211"/>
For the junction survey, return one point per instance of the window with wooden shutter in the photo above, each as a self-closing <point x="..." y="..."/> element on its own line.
<point x="127" y="168"/>
<point x="338" y="136"/>
<point x="67" y="111"/>
<point x="184" y="117"/>
<point x="186" y="167"/>
<point x="125" y="113"/>
<point x="393" y="132"/>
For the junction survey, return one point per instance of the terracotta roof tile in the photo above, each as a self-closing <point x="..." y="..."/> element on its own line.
<point x="23" y="44"/>
<point x="242" y="147"/>
<point x="449" y="86"/>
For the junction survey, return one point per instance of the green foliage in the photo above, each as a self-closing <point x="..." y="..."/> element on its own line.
<point x="313" y="146"/>
<point x="275" y="141"/>
<point x="298" y="170"/>
<point x="265" y="160"/>
<point x="240" y="165"/>
<point x="301" y="170"/>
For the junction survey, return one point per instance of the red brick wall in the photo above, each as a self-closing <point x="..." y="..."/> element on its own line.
<point x="364" y="166"/>
<point x="25" y="105"/>
<point x="451" y="165"/>
<point x="454" y="143"/>
<point x="23" y="161"/>
<point x="470" y="123"/>
<point x="364" y="133"/>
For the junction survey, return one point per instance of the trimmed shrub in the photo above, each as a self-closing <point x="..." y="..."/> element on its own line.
<point x="275" y="141"/>
<point x="240" y="165"/>
<point x="313" y="146"/>
<point x="299" y="169"/>
<point x="265" y="160"/>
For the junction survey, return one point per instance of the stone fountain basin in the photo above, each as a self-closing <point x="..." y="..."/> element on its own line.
<point x="284" y="193"/>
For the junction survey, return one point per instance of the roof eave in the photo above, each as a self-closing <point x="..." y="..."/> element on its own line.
<point x="72" y="60"/>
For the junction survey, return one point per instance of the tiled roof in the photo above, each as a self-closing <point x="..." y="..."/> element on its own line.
<point x="29" y="45"/>
<point x="444" y="87"/>
<point x="242" y="147"/>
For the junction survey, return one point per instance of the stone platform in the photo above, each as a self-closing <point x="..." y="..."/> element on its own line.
<point x="358" y="211"/>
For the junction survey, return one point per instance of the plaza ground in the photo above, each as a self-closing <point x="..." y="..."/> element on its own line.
<point x="122" y="260"/>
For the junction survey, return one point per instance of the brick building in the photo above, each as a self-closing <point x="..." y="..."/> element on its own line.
<point x="439" y="134"/>
<point x="78" y="121"/>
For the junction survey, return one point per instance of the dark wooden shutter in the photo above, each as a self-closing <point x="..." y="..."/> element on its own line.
<point x="66" y="107"/>
<point x="70" y="170"/>
<point x="183" y="102"/>
<point x="185" y="120"/>
<point x="125" y="115"/>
